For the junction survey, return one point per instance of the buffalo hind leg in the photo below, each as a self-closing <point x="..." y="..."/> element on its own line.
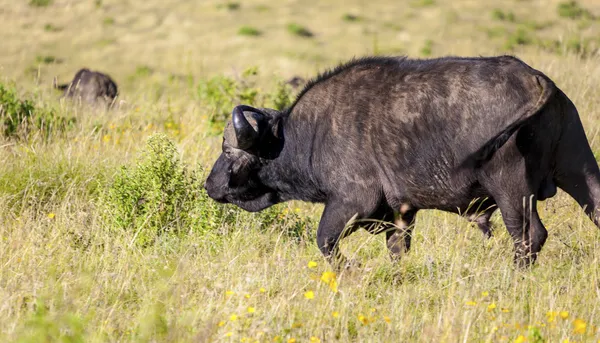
<point x="523" y="223"/>
<point x="577" y="171"/>
<point x="399" y="237"/>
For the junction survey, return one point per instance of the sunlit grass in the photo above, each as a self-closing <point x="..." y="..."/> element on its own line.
<point x="65" y="273"/>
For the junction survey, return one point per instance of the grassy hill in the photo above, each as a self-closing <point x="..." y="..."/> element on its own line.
<point x="107" y="235"/>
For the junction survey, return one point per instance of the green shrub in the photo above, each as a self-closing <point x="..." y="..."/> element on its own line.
<point x="520" y="37"/>
<point x="48" y="59"/>
<point x="158" y="195"/>
<point x="299" y="30"/>
<point x="350" y="17"/>
<point x="19" y="117"/>
<point x="51" y="28"/>
<point x="498" y="14"/>
<point x="572" y="10"/>
<point x="427" y="49"/>
<point x="42" y="325"/>
<point x="248" y="31"/>
<point x="221" y="94"/>
<point x="422" y="3"/>
<point x="40" y="3"/>
<point x="231" y="6"/>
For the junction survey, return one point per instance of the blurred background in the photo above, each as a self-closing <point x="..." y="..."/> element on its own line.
<point x="153" y="41"/>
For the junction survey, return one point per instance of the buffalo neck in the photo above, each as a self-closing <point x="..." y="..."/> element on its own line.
<point x="291" y="174"/>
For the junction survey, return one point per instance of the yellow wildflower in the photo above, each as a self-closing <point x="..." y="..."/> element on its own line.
<point x="520" y="339"/>
<point x="564" y="314"/>
<point x="262" y="290"/>
<point x="106" y="138"/>
<point x="579" y="326"/>
<point x="233" y="317"/>
<point x="315" y="339"/>
<point x="387" y="319"/>
<point x="229" y="334"/>
<point x="333" y="285"/>
<point x="471" y="303"/>
<point x="312" y="264"/>
<point x="485" y="294"/>
<point x="551" y="316"/>
<point x="247" y="296"/>
<point x="335" y="314"/>
<point x="221" y="323"/>
<point x="327" y="277"/>
<point x="229" y="293"/>
<point x="291" y="340"/>
<point x="51" y="215"/>
<point x="491" y="307"/>
<point x="309" y="295"/>
<point x="505" y="310"/>
<point x="251" y="310"/>
<point x="363" y="319"/>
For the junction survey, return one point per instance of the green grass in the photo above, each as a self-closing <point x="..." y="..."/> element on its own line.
<point x="51" y="28"/>
<point x="40" y="3"/>
<point x="427" y="49"/>
<point x="573" y="10"/>
<point x="85" y="258"/>
<point x="249" y="31"/>
<point x="351" y="17"/>
<point x="299" y="30"/>
<point x="498" y="14"/>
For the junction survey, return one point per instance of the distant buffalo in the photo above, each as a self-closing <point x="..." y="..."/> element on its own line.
<point x="91" y="87"/>
<point x="381" y="138"/>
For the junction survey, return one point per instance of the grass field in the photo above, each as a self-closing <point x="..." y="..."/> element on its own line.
<point x="81" y="262"/>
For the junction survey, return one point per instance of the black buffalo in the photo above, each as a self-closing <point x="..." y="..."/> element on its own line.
<point x="381" y="138"/>
<point x="91" y="87"/>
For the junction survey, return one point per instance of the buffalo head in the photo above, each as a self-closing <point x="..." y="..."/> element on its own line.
<point x="250" y="141"/>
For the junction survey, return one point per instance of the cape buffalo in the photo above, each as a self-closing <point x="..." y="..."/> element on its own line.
<point x="91" y="87"/>
<point x="382" y="137"/>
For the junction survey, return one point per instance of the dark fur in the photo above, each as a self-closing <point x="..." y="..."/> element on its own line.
<point x="382" y="137"/>
<point x="91" y="87"/>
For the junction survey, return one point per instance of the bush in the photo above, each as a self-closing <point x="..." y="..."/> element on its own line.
<point x="518" y="38"/>
<point x="249" y="31"/>
<point x="299" y="30"/>
<point x="221" y="94"/>
<point x="40" y="3"/>
<point x="159" y="195"/>
<point x="498" y="14"/>
<point x="19" y="117"/>
<point x="572" y="10"/>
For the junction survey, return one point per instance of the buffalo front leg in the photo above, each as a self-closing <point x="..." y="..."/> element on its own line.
<point x="399" y="237"/>
<point x="336" y="223"/>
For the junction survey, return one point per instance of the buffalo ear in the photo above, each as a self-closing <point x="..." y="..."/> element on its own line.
<point x="276" y="128"/>
<point x="246" y="134"/>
